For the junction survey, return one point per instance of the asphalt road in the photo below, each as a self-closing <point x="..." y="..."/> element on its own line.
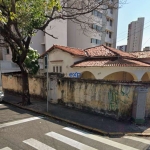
<point x="23" y="130"/>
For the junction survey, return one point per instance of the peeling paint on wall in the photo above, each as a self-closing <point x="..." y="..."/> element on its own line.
<point x="37" y="85"/>
<point x="105" y="97"/>
<point x="113" y="100"/>
<point x="108" y="98"/>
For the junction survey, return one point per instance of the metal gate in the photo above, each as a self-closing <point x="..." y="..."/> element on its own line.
<point x="53" y="89"/>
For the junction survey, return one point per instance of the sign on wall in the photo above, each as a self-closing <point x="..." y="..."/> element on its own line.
<point x="75" y="75"/>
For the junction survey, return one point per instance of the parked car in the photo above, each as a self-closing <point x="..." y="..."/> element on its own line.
<point x="1" y="96"/>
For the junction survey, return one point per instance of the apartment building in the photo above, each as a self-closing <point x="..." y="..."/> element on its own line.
<point x="135" y="35"/>
<point x="104" y="22"/>
<point x="102" y="31"/>
<point x="122" y="48"/>
<point x="6" y="64"/>
<point x="147" y="48"/>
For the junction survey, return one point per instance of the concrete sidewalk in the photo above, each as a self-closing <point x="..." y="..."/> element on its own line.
<point x="89" y="121"/>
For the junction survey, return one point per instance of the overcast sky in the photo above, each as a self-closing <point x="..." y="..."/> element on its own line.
<point x="130" y="12"/>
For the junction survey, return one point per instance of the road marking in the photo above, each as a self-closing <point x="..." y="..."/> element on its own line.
<point x="69" y="141"/>
<point x="100" y="139"/>
<point x="19" y="121"/>
<point x="1" y="104"/>
<point x="6" y="148"/>
<point x="138" y="139"/>
<point x="37" y="144"/>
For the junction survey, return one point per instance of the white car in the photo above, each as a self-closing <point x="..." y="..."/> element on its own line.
<point x="1" y="96"/>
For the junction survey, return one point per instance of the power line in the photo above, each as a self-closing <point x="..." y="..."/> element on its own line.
<point x="146" y="42"/>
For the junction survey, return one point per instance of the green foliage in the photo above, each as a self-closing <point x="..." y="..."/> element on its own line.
<point x="3" y="19"/>
<point x="19" y="20"/>
<point x="29" y="14"/>
<point x="31" y="61"/>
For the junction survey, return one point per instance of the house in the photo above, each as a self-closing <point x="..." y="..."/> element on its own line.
<point x="100" y="62"/>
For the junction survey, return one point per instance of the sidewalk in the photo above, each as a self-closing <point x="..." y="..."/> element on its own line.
<point x="89" y="121"/>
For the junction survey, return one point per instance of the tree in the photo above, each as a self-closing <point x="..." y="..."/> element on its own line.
<point x="31" y="61"/>
<point x="21" y="19"/>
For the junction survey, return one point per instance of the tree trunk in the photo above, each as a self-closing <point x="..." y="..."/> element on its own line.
<point x="25" y="89"/>
<point x="25" y="86"/>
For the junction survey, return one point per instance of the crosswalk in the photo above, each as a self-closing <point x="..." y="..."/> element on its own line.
<point x="61" y="137"/>
<point x="6" y="148"/>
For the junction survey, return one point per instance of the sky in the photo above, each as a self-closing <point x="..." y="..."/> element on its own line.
<point x="131" y="11"/>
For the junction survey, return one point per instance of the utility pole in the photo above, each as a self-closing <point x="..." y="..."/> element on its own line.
<point x="47" y="80"/>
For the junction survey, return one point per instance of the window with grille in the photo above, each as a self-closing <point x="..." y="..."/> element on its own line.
<point x="57" y="69"/>
<point x="110" y="35"/>
<point x="93" y="40"/>
<point x="96" y="41"/>
<point x="97" y="13"/>
<point x="111" y="11"/>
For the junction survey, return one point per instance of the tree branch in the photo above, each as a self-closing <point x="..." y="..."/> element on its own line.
<point x="50" y="34"/>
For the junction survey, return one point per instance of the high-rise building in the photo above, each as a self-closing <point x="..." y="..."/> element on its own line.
<point x="147" y="48"/>
<point x="104" y="22"/>
<point x="103" y="30"/>
<point x="135" y="35"/>
<point x="122" y="48"/>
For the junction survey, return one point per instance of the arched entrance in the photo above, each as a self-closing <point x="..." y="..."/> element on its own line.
<point x="87" y="75"/>
<point x="120" y="76"/>
<point x="146" y="77"/>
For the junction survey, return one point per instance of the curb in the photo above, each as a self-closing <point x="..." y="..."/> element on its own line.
<point x="101" y="132"/>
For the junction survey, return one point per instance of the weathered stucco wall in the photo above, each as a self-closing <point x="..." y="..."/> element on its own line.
<point x="13" y="83"/>
<point x="109" y="98"/>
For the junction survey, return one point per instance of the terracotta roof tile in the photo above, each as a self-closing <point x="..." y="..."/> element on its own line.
<point x="110" y="63"/>
<point x="73" y="51"/>
<point x="141" y="54"/>
<point x="105" y="51"/>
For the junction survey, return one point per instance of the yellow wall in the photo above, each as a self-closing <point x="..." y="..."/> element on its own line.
<point x="14" y="83"/>
<point x="146" y="77"/>
<point x="109" y="98"/>
<point x="87" y="75"/>
<point x="114" y="99"/>
<point x="122" y="76"/>
<point x="66" y="63"/>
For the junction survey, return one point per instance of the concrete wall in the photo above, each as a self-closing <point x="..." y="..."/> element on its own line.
<point x="57" y="28"/>
<point x="108" y="98"/>
<point x="38" y="42"/>
<point x="13" y="83"/>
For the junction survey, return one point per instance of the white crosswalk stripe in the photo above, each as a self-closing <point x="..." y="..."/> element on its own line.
<point x="81" y="146"/>
<point x="100" y="139"/>
<point x="145" y="141"/>
<point x="37" y="144"/>
<point x="6" y="148"/>
<point x="19" y="121"/>
<point x="69" y="141"/>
